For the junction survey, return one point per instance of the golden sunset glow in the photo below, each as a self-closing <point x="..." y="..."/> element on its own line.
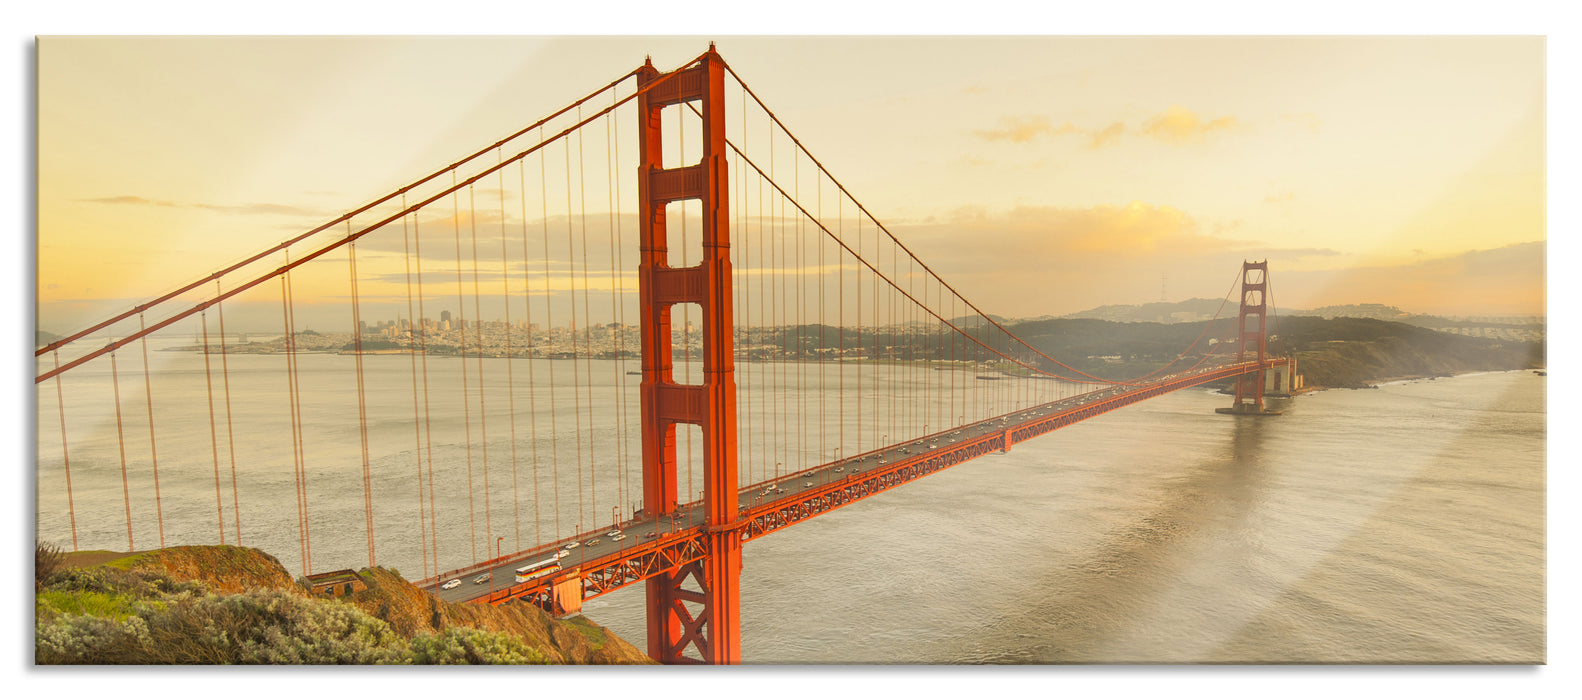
<point x="1041" y="175"/>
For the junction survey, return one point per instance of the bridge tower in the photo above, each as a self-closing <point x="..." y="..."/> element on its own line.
<point x="1251" y="337"/>
<point x="710" y="628"/>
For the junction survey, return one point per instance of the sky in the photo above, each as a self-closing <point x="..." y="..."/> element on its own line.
<point x="1038" y="175"/>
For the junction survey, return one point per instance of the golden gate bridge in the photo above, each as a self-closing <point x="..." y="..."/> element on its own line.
<point x="741" y="346"/>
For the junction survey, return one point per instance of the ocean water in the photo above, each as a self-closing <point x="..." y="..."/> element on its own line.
<point x="1403" y="524"/>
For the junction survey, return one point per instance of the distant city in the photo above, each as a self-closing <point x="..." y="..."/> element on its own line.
<point x="450" y="335"/>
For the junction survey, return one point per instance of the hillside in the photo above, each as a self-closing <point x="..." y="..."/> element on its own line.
<point x="238" y="605"/>
<point x="1336" y="352"/>
<point x="1358" y="352"/>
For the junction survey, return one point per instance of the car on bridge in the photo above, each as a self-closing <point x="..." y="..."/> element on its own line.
<point x="482" y="578"/>
<point x="451" y="584"/>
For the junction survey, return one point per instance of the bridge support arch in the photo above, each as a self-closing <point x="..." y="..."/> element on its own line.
<point x="694" y="612"/>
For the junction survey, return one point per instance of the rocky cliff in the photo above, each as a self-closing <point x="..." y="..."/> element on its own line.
<point x="225" y="605"/>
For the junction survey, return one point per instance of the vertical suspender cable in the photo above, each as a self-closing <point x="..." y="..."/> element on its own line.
<point x="483" y="407"/>
<point x="153" y="451"/>
<point x="214" y="433"/>
<point x="296" y="425"/>
<point x="549" y="325"/>
<point x="510" y="373"/>
<point x="120" y="439"/>
<point x="362" y="399"/>
<point x="414" y="341"/>
<point x="801" y="318"/>
<point x="765" y="336"/>
<point x="296" y="400"/>
<point x="466" y="389"/>
<point x="776" y="293"/>
<point x="532" y="386"/>
<point x="571" y="279"/>
<point x="840" y="322"/>
<point x="428" y="425"/>
<point x="230" y="432"/>
<point x="782" y="384"/>
<point x="65" y="456"/>
<point x="620" y="338"/>
<point x="615" y="328"/>
<point x="587" y="329"/>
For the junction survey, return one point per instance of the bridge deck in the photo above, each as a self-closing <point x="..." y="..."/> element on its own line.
<point x="651" y="546"/>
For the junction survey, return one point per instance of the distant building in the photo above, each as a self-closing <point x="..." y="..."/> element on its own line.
<point x="336" y="583"/>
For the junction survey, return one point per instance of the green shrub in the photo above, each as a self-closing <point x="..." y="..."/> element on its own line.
<point x="272" y="627"/>
<point x="47" y="561"/>
<point x="258" y="627"/>
<point x="85" y="639"/>
<point x="464" y="645"/>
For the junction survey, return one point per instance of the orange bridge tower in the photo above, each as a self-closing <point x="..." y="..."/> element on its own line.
<point x="696" y="607"/>
<point x="1252" y="339"/>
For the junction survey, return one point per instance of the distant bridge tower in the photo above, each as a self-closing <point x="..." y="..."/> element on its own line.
<point x="711" y="627"/>
<point x="1252" y="338"/>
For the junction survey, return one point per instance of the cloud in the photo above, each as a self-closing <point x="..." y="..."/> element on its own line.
<point x="1279" y="197"/>
<point x="244" y="209"/>
<point x="129" y="199"/>
<point x="1180" y="125"/>
<point x="262" y="208"/>
<point x="1106" y="136"/>
<point x="1024" y="129"/>
<point x="1176" y="125"/>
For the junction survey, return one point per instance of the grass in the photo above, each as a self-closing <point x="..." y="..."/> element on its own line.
<point x="594" y="633"/>
<point x="110" y="605"/>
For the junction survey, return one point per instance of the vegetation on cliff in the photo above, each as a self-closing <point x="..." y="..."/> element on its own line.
<point x="1333" y="352"/>
<point x="1359" y="352"/>
<point x="237" y="605"/>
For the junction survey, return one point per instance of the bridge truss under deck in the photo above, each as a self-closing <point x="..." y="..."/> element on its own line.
<point x="678" y="544"/>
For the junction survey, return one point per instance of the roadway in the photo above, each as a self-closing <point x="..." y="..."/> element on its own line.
<point x="597" y="544"/>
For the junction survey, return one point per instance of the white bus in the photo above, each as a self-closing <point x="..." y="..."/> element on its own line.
<point x="535" y="570"/>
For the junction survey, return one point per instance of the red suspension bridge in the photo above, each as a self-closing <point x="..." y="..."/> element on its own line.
<point x="546" y="368"/>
